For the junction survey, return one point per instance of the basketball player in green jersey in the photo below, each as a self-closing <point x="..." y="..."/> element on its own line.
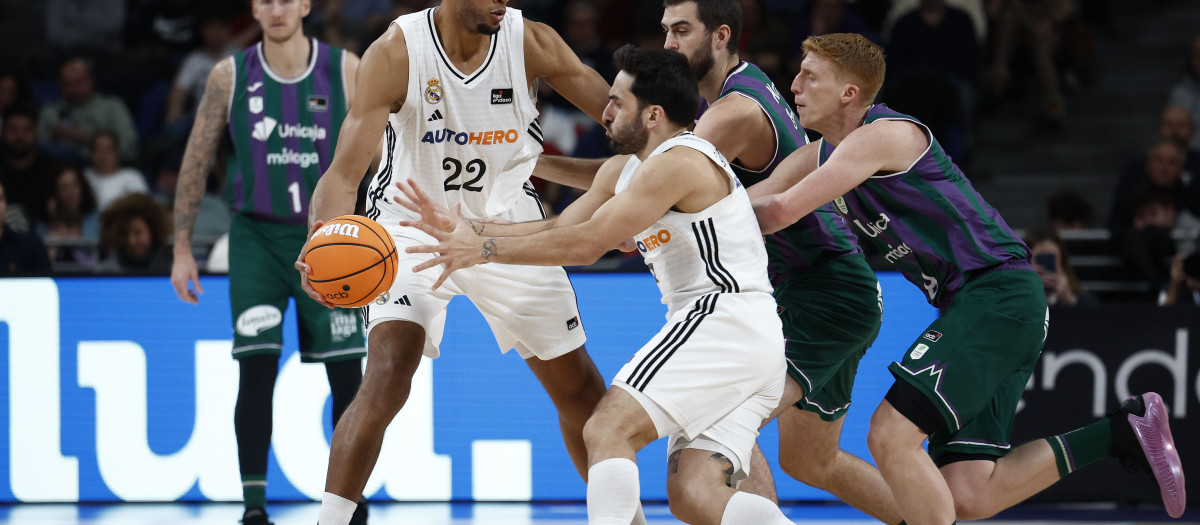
<point x="827" y="294"/>
<point x="280" y="104"/>
<point x="958" y="384"/>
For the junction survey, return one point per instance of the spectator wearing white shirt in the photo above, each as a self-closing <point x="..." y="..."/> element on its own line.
<point x="109" y="180"/>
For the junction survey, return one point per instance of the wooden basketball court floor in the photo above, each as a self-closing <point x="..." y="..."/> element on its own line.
<point x="569" y="513"/>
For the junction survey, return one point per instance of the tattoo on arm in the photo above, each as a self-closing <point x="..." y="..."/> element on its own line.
<point x="476" y="226"/>
<point x="673" y="462"/>
<point x="489" y="249"/>
<point x="726" y="467"/>
<point x="201" y="148"/>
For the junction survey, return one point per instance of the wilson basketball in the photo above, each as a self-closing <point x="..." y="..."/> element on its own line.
<point x="353" y="260"/>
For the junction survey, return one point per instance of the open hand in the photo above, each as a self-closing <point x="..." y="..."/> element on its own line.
<point x="417" y="201"/>
<point x="458" y="246"/>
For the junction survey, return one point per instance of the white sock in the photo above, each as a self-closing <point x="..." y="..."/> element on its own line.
<point x="640" y="517"/>
<point x="336" y="510"/>
<point x="613" y="494"/>
<point x="749" y="509"/>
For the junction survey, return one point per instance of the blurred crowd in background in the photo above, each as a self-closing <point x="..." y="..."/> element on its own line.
<point x="97" y="100"/>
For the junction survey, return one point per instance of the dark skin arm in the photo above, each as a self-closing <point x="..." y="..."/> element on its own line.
<point x="381" y="85"/>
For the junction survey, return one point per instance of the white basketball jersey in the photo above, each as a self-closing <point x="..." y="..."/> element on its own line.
<point x="718" y="249"/>
<point x="465" y="137"/>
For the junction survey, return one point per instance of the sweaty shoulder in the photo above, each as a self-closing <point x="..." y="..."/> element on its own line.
<point x="543" y="49"/>
<point x="383" y="69"/>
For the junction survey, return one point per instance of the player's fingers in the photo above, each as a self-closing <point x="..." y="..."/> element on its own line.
<point x="427" y="265"/>
<point x="181" y="290"/>
<point x="436" y="233"/>
<point x="408" y="204"/>
<point x="424" y="248"/>
<point x="196" y="281"/>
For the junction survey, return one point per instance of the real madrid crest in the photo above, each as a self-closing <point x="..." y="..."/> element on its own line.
<point x="433" y="93"/>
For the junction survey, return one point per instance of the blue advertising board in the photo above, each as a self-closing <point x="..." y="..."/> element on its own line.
<point x="114" y="390"/>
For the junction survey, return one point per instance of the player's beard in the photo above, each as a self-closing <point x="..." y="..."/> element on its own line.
<point x="627" y="139"/>
<point x="468" y="17"/>
<point x="702" y="62"/>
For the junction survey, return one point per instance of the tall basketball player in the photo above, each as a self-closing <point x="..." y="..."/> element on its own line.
<point x="281" y="104"/>
<point x="449" y="92"/>
<point x="716" y="370"/>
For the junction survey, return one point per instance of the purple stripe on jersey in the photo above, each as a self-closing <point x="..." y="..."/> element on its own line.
<point x="238" y="196"/>
<point x="322" y="86"/>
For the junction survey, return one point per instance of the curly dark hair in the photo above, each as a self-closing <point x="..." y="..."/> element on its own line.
<point x="115" y="220"/>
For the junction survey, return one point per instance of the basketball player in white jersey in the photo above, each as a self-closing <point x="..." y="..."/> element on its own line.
<point x="449" y="93"/>
<point x="716" y="370"/>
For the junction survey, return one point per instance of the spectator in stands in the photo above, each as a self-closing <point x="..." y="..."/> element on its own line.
<point x="765" y="40"/>
<point x="821" y="18"/>
<point x="70" y="122"/>
<point x="20" y="253"/>
<point x="109" y="180"/>
<point x="192" y="77"/>
<point x="583" y="36"/>
<point x="1186" y="92"/>
<point x="15" y="90"/>
<point x="352" y="24"/>
<point x="69" y="215"/>
<point x="1145" y="245"/>
<point x="1163" y="167"/>
<point x="85" y="26"/>
<point x="133" y="236"/>
<point x="24" y="168"/>
<point x="1036" y="24"/>
<point x="933" y="62"/>
<point x="1185" y="281"/>
<point x="1177" y="126"/>
<point x="1053" y="265"/>
<point x="213" y="218"/>
<point x="1068" y="210"/>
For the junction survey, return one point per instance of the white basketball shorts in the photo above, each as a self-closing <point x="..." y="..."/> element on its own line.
<point x="712" y="375"/>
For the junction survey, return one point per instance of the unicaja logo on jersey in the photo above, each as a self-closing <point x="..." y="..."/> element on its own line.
<point x="263" y="128"/>
<point x="654" y="241"/>
<point x="313" y="132"/>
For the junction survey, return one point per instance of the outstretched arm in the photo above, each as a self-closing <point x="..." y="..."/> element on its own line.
<point x="207" y="131"/>
<point x="435" y="216"/>
<point x="568" y="171"/>
<point x="888" y="146"/>
<point x="651" y="194"/>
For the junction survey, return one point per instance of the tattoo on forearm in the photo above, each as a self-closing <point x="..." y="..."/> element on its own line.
<point x="726" y="467"/>
<point x="476" y="226"/>
<point x="673" y="462"/>
<point x="489" y="249"/>
<point x="198" y="156"/>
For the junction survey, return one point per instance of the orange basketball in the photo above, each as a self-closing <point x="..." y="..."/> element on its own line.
<point x="353" y="260"/>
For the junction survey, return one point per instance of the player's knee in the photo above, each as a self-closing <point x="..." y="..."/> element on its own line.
<point x="880" y="436"/>
<point x="685" y="497"/>
<point x="970" y="505"/>
<point x="808" y="467"/>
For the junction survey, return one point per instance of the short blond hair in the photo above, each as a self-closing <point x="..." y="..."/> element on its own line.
<point x="855" y="59"/>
